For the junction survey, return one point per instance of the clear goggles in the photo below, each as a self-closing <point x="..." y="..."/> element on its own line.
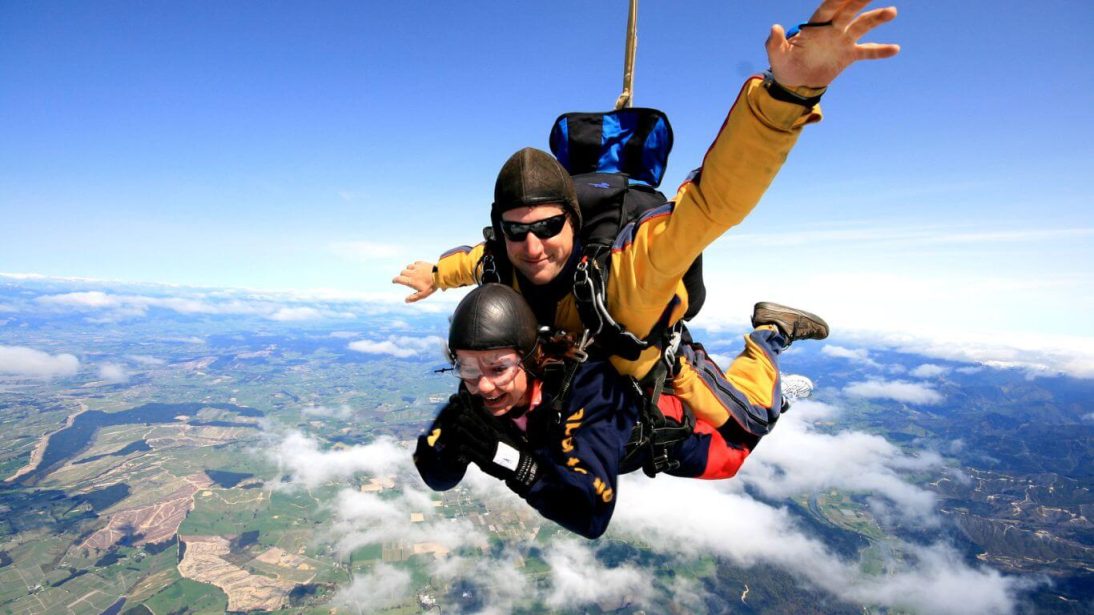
<point x="500" y="371"/>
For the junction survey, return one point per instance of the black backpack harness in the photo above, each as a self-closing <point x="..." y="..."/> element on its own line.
<point x="616" y="160"/>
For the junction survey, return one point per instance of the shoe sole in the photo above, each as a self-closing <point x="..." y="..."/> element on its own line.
<point x="771" y="311"/>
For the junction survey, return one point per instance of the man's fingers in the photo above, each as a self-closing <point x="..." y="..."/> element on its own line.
<point x="837" y="10"/>
<point x="870" y="20"/>
<point x="418" y="296"/>
<point x="875" y="51"/>
<point x="775" y="40"/>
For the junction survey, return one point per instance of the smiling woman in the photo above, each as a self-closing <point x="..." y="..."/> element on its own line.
<point x="494" y="375"/>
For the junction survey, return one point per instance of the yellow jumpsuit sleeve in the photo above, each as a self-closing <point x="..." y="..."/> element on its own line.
<point x="650" y="259"/>
<point x="459" y="267"/>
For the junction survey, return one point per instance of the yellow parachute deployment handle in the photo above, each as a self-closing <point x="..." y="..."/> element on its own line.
<point x="626" y="98"/>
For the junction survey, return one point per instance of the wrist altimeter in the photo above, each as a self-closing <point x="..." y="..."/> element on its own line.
<point x="780" y="92"/>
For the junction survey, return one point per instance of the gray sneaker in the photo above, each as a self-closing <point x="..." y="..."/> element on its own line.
<point x="792" y="323"/>
<point x="795" y="387"/>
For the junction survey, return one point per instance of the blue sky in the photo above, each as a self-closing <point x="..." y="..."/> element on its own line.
<point x="282" y="145"/>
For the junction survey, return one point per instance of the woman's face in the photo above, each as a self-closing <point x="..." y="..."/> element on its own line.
<point x="495" y="376"/>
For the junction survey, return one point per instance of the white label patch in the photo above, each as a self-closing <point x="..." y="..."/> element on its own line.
<point x="507" y="456"/>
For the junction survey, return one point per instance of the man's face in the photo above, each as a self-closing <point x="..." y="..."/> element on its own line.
<point x="539" y="259"/>
<point x="495" y="376"/>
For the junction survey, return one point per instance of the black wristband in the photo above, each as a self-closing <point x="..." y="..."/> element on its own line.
<point x="527" y="472"/>
<point x="779" y="92"/>
<point x="524" y="476"/>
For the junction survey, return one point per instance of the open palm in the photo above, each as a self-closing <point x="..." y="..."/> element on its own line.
<point x="820" y="52"/>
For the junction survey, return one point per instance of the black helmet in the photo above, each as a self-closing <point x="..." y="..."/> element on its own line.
<point x="533" y="177"/>
<point x="490" y="317"/>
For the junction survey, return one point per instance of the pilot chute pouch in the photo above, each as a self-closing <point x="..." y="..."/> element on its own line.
<point x="617" y="160"/>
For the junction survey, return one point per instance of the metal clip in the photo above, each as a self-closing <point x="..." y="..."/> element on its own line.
<point x="669" y="353"/>
<point x="490" y="270"/>
<point x="578" y="353"/>
<point x="581" y="277"/>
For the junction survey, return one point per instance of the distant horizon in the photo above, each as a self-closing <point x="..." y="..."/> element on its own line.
<point x="108" y="302"/>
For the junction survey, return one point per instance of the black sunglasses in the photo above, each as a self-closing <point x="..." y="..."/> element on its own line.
<point x="544" y="229"/>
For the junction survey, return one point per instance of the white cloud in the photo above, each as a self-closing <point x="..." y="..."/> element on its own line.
<point x="504" y="583"/>
<point x="113" y="373"/>
<point x="197" y="341"/>
<point x="796" y="458"/>
<point x="929" y="370"/>
<point x="142" y="359"/>
<point x="90" y="299"/>
<point x="578" y="579"/>
<point x="26" y="362"/>
<point x="368" y="519"/>
<point x="1040" y="355"/>
<point x="296" y="313"/>
<point x="381" y="588"/>
<point x="342" y="412"/>
<point x="1037" y="354"/>
<point x="857" y="355"/>
<point x="747" y="532"/>
<point x="400" y="346"/>
<point x="938" y="581"/>
<point x="301" y="462"/>
<point x="723" y="361"/>
<point x="112" y="307"/>
<point x="897" y="390"/>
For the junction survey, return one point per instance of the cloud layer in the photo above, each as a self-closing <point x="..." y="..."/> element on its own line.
<point x="401" y="346"/>
<point x="718" y="517"/>
<point x="799" y="458"/>
<point x="113" y="373"/>
<point x="897" y="390"/>
<point x="24" y="362"/>
<point x="110" y="307"/>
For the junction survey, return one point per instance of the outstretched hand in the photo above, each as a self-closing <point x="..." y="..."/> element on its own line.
<point x="819" y="53"/>
<point x="419" y="276"/>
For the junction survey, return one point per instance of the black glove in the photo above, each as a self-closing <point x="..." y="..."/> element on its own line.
<point x="442" y="436"/>
<point x="479" y="438"/>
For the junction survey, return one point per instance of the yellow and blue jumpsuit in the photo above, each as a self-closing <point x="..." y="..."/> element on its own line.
<point x="650" y="257"/>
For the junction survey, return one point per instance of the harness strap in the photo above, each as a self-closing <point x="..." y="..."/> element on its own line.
<point x="590" y="290"/>
<point x="574" y="360"/>
<point x="654" y="434"/>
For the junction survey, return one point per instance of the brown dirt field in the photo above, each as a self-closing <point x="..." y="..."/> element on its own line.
<point x="155" y="523"/>
<point x="204" y="563"/>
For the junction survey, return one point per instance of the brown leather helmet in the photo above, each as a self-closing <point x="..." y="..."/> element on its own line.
<point x="533" y="177"/>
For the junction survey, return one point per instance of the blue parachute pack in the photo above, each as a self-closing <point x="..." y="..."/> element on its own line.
<point x="617" y="160"/>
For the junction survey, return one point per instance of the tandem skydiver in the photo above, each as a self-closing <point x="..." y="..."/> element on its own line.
<point x="556" y="429"/>
<point x="536" y="213"/>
